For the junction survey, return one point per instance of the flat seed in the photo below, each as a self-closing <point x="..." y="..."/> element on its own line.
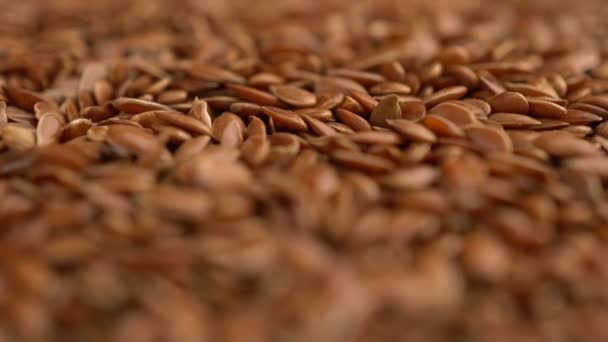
<point x="441" y="126"/>
<point x="366" y="101"/>
<point x="446" y="94"/>
<point x="135" y="106"/>
<point x="387" y="88"/>
<point x="375" y="137"/>
<point x="412" y="110"/>
<point x="294" y="96"/>
<point x="229" y="129"/>
<point x="18" y="138"/>
<point x="509" y="102"/>
<point x="48" y="129"/>
<point x="172" y="96"/>
<point x="285" y="118"/>
<point x="510" y="120"/>
<point x="412" y="131"/>
<point x="317" y="113"/>
<point x="200" y="111"/>
<point x="546" y="109"/>
<point x="594" y="165"/>
<point x="133" y="139"/>
<point x="264" y="80"/>
<point x="184" y="122"/>
<point x="457" y="114"/>
<point x="75" y="129"/>
<point x="386" y="109"/>
<point x="489" y="139"/>
<point x="361" y="161"/>
<point x="255" y="150"/>
<point x="414" y="178"/>
<point x="23" y="98"/>
<point x="352" y="120"/>
<point x="591" y="109"/>
<point x="246" y="108"/>
<point x="317" y="126"/>
<point x="212" y="73"/>
<point x="256" y="127"/>
<point x="564" y="145"/>
<point x="257" y="96"/>
<point x="3" y="117"/>
<point x="192" y="147"/>
<point x="579" y="117"/>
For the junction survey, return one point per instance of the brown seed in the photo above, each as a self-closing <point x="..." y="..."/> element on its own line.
<point x="285" y="118"/>
<point x="366" y="101"/>
<point x="412" y="110"/>
<point x="259" y="97"/>
<point x="546" y="109"/>
<point x="386" y="109"/>
<point x="509" y="102"/>
<point x="446" y="94"/>
<point x="457" y="114"/>
<point x="255" y="150"/>
<point x="510" y="120"/>
<point x="75" y="129"/>
<point x="229" y="129"/>
<point x="256" y="127"/>
<point x="388" y="88"/>
<point x="213" y="73"/>
<point x="375" y="137"/>
<point x="486" y="257"/>
<point x="413" y="178"/>
<point x="133" y="139"/>
<point x="192" y="147"/>
<point x="441" y="126"/>
<point x="413" y="131"/>
<point x="352" y="120"/>
<point x="23" y="98"/>
<point x="3" y="117"/>
<point x="294" y="96"/>
<point x="135" y="106"/>
<point x="317" y="126"/>
<point x="361" y="161"/>
<point x="361" y="77"/>
<point x="182" y="121"/>
<point x="172" y="96"/>
<point x="246" y="109"/>
<point x="563" y="145"/>
<point x="489" y="139"/>
<point x="579" y="117"/>
<point x="200" y="111"/>
<point x="317" y="113"/>
<point x="264" y="80"/>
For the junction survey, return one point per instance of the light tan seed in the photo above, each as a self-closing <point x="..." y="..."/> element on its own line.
<point x="361" y="161"/>
<point x="17" y="137"/>
<point x="489" y="139"/>
<point x="413" y="178"/>
<point x="386" y="109"/>
<point x="182" y="121"/>
<point x="460" y="115"/>
<point x="509" y="102"/>
<point x="285" y="118"/>
<point x="200" y="111"/>
<point x="441" y="126"/>
<point x="352" y="120"/>
<point x="446" y="94"/>
<point x="257" y="96"/>
<point x="317" y="126"/>
<point x="3" y="116"/>
<point x="135" y="106"/>
<point x="158" y="86"/>
<point x="412" y="131"/>
<point x="48" y="129"/>
<point x="212" y="73"/>
<point x="294" y="96"/>
<point x="511" y="120"/>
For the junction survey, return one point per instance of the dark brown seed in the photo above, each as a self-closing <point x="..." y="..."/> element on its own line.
<point x="23" y="98"/>
<point x="294" y="96"/>
<point x="387" y="109"/>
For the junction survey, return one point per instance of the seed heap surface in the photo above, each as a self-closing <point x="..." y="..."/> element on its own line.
<point x="303" y="171"/>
